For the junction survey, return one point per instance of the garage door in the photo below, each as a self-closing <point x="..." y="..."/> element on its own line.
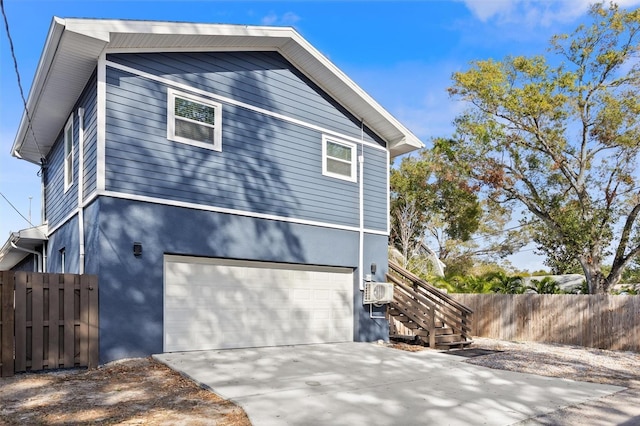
<point x="222" y="303"/>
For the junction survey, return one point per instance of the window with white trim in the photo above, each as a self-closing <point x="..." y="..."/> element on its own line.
<point x="194" y="120"/>
<point x="68" y="154"/>
<point x="339" y="159"/>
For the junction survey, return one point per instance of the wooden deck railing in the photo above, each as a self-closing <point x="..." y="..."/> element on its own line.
<point x="426" y="305"/>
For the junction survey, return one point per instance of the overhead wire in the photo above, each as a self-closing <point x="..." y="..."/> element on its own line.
<point x="15" y="66"/>
<point x="14" y="207"/>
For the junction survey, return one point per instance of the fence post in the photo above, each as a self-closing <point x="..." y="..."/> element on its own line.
<point x="37" y="321"/>
<point x="94" y="329"/>
<point x="20" y="320"/>
<point x="6" y="327"/>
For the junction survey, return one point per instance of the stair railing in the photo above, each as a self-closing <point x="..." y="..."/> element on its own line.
<point x="424" y="304"/>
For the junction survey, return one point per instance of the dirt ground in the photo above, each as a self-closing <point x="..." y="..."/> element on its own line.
<point x="130" y="392"/>
<point x="143" y="391"/>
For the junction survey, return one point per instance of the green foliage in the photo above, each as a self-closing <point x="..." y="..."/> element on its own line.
<point x="464" y="284"/>
<point x="440" y="200"/>
<point x="432" y="201"/>
<point x="562" y="142"/>
<point x="545" y="286"/>
<point x="582" y="289"/>
<point x="628" y="291"/>
<point x="490" y="282"/>
<point x="631" y="275"/>
<point x="505" y="284"/>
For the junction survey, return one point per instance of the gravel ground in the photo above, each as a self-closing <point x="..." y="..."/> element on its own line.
<point x="574" y="363"/>
<point x="569" y="362"/>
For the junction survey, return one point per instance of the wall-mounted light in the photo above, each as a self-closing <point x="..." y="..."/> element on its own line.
<point x="374" y="268"/>
<point x="137" y="249"/>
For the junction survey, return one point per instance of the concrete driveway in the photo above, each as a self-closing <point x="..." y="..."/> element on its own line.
<point x="369" y="384"/>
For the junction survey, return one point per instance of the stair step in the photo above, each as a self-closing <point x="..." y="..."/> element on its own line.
<point x="443" y="331"/>
<point x="403" y="337"/>
<point x="446" y="338"/>
<point x="450" y="345"/>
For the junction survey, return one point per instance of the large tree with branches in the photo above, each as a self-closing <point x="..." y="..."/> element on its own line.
<point x="560" y="136"/>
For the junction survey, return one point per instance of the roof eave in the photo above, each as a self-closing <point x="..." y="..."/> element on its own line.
<point x="97" y="36"/>
<point x="44" y="64"/>
<point x="25" y="239"/>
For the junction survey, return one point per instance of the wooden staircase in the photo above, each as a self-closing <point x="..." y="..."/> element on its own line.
<point x="424" y="314"/>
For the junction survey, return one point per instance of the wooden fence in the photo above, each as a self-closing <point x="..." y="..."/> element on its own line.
<point x="47" y="321"/>
<point x="596" y="321"/>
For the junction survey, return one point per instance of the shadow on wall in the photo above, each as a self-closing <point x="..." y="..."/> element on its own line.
<point x="131" y="314"/>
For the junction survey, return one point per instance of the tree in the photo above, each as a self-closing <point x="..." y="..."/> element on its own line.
<point x="407" y="229"/>
<point x="562" y="140"/>
<point x="559" y="258"/>
<point x="427" y="201"/>
<point x="433" y="205"/>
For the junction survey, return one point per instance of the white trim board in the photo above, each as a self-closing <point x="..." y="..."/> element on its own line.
<point x="101" y="123"/>
<point x="213" y="209"/>
<point x="195" y="206"/>
<point x="193" y="90"/>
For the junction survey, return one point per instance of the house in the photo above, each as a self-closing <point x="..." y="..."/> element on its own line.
<point x="228" y="184"/>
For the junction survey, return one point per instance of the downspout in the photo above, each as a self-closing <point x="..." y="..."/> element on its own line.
<point x="81" y="189"/>
<point x="361" y="254"/>
<point x="361" y="208"/>
<point x="43" y="213"/>
<point x="39" y="261"/>
<point x="44" y="256"/>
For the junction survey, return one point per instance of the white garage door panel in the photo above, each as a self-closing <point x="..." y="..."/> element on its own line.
<point x="220" y="303"/>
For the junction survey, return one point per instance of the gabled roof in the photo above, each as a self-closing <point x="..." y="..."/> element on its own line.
<point x="73" y="47"/>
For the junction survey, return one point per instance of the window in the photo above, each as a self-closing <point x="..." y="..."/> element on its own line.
<point x="194" y="121"/>
<point x="68" y="154"/>
<point x="339" y="159"/>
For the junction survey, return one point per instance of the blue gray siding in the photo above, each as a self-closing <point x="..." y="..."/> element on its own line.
<point x="261" y="79"/>
<point x="59" y="204"/>
<point x="267" y="165"/>
<point x="376" y="196"/>
<point x="131" y="288"/>
<point x="89" y="102"/>
<point x="28" y="264"/>
<point x="367" y="329"/>
<point x="65" y="237"/>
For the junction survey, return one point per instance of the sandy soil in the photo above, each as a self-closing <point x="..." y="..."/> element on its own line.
<point x="128" y="392"/>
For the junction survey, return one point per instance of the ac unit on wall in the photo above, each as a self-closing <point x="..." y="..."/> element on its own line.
<point x="378" y="292"/>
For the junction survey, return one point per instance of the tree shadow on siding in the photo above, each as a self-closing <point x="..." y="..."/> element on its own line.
<point x="251" y="174"/>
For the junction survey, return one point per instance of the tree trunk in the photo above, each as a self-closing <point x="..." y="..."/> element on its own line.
<point x="596" y="281"/>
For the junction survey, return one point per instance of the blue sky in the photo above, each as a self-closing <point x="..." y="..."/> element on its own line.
<point x="401" y="53"/>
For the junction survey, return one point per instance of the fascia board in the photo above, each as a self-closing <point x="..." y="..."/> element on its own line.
<point x="44" y="64"/>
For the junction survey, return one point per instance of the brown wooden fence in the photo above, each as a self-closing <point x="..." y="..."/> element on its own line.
<point x="47" y="321"/>
<point x="596" y="321"/>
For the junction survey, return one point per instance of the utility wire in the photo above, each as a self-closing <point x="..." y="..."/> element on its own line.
<point x="14" y="207"/>
<point x="15" y="66"/>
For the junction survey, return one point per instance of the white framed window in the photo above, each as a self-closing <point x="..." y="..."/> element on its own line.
<point x="194" y="120"/>
<point x="339" y="159"/>
<point x="68" y="154"/>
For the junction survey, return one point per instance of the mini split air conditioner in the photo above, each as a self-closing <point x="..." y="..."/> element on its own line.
<point x="378" y="293"/>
